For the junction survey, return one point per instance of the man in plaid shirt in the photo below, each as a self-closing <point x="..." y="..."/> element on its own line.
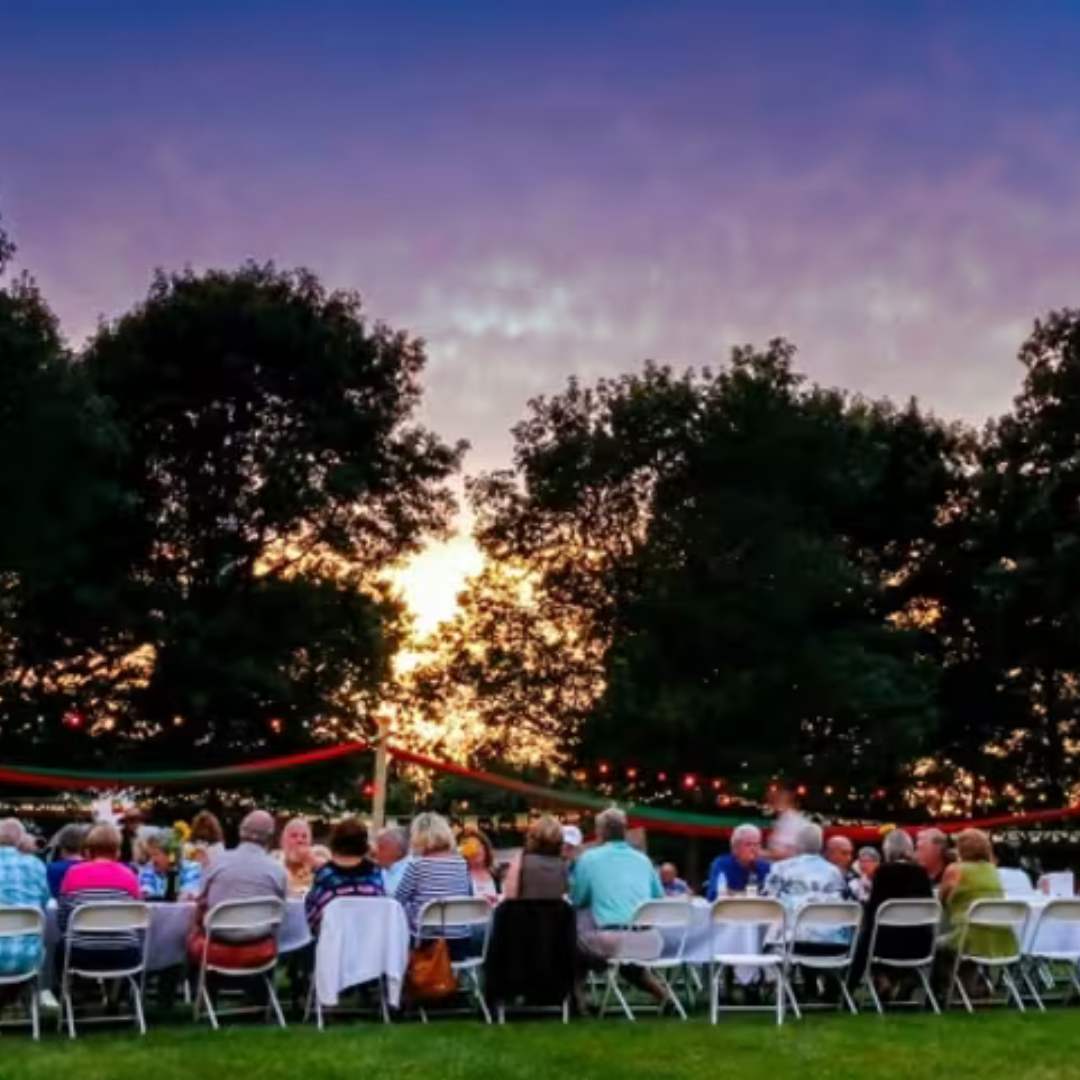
<point x="22" y="881"/>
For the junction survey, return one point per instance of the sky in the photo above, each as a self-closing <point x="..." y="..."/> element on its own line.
<point x="557" y="189"/>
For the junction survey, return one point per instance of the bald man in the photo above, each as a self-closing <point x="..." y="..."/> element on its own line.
<point x="840" y="851"/>
<point x="247" y="871"/>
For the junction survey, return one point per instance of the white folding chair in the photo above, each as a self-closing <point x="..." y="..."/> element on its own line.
<point x="107" y="918"/>
<point x="1003" y="915"/>
<point x="657" y="916"/>
<point x="762" y="916"/>
<point x="841" y="918"/>
<point x="360" y="914"/>
<point x="458" y="912"/>
<point x="905" y="915"/>
<point x="252" y="919"/>
<point x="1062" y="917"/>
<point x="19" y="920"/>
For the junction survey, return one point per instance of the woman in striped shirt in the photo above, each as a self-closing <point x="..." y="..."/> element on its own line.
<point x="100" y="877"/>
<point x="436" y="872"/>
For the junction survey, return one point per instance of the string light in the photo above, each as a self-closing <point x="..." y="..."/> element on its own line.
<point x="73" y="719"/>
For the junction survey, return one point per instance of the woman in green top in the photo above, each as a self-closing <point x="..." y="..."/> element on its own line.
<point x="973" y="878"/>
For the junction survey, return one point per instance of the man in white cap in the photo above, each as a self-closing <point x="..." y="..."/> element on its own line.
<point x="571" y="843"/>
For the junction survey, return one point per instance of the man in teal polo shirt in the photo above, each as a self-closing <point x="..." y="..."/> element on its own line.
<point x="610" y="882"/>
<point x="613" y="880"/>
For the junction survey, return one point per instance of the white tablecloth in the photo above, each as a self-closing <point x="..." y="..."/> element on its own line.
<point x="170" y="925"/>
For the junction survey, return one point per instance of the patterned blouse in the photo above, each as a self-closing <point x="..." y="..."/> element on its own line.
<point x="334" y="880"/>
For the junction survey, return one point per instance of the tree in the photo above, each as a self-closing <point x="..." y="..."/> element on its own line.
<point x="737" y="544"/>
<point x="270" y="473"/>
<point x="58" y="446"/>
<point x="1008" y="578"/>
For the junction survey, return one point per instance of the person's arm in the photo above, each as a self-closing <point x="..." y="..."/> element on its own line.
<point x="406" y="887"/>
<point x="580" y="893"/>
<point x="512" y="883"/>
<point x="949" y="880"/>
<point x="711" y="883"/>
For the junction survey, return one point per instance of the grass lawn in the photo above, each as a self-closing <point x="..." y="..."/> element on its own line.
<point x="986" y="1046"/>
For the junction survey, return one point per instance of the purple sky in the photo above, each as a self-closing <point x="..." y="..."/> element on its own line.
<point x="549" y="189"/>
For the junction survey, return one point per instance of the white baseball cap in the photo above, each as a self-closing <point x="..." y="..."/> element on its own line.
<point x="571" y="835"/>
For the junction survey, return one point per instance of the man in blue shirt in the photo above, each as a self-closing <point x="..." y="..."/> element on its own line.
<point x="22" y="882"/>
<point x="742" y="866"/>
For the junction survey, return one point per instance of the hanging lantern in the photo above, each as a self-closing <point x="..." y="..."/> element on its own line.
<point x="276" y="725"/>
<point x="689" y="781"/>
<point x="662" y="777"/>
<point x="631" y="773"/>
<point x="602" y="768"/>
<point x="74" y="720"/>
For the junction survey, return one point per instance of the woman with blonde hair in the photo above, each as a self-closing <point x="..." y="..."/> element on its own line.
<point x="296" y="855"/>
<point x="540" y="871"/>
<point x="973" y="877"/>
<point x="436" y="872"/>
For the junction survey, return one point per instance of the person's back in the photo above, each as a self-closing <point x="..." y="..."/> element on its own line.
<point x="243" y="873"/>
<point x="542" y="877"/>
<point x="613" y="881"/>
<point x="23" y="882"/>
<point x="100" y="878"/>
<point x="806" y="877"/>
<point x="976" y="881"/>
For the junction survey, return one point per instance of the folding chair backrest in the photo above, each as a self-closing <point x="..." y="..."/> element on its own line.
<point x="663" y="913"/>
<point x="908" y="914"/>
<point x="915" y="912"/>
<point x="1059" y="912"/>
<point x="21" y="920"/>
<point x="109" y="917"/>
<point x="259" y="915"/>
<point x="833" y="914"/>
<point x="749" y="911"/>
<point x="1006" y="914"/>
<point x="454" y="911"/>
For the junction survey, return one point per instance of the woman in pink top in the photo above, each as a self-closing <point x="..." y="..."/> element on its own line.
<point x="100" y="877"/>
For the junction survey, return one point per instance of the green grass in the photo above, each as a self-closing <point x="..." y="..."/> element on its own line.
<point x="986" y="1046"/>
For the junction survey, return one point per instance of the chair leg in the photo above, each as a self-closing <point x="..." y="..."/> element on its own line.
<point x="613" y="974"/>
<point x="479" y="995"/>
<point x="670" y="994"/>
<point x="841" y="978"/>
<point x="963" y="993"/>
<point x="925" y="979"/>
<point x="206" y="1000"/>
<point x="715" y="975"/>
<point x="35" y="1016"/>
<point x="274" y="1003"/>
<point x="565" y="1011"/>
<point x="868" y="980"/>
<point x="1012" y="989"/>
<point x="137" y="1004"/>
<point x="607" y="994"/>
<point x="779" y="1005"/>
<point x="1025" y="974"/>
<point x="500" y="1012"/>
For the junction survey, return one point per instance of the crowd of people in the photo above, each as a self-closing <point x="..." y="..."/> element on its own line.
<point x="606" y="880"/>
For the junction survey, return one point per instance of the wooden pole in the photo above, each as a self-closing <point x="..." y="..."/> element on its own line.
<point x="378" y="806"/>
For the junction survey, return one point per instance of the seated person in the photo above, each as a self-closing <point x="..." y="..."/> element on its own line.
<point x="392" y="855"/>
<point x="932" y="853"/>
<point x="158" y="862"/>
<point x="861" y="881"/>
<point x="69" y="849"/>
<point x="436" y="872"/>
<point x="246" y="872"/>
<point x="540" y="872"/>
<point x="1014" y="879"/>
<point x="297" y="856"/>
<point x="100" y="877"/>
<point x="22" y="881"/>
<point x="671" y="883"/>
<point x="610" y="882"/>
<point x="349" y="872"/>
<point x="742" y="867"/>
<point x="807" y="876"/>
<point x="477" y="850"/>
<point x="973" y="877"/>
<point x="900" y="878"/>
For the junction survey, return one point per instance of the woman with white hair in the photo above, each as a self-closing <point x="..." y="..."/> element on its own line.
<point x="436" y="872"/>
<point x="900" y="877"/>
